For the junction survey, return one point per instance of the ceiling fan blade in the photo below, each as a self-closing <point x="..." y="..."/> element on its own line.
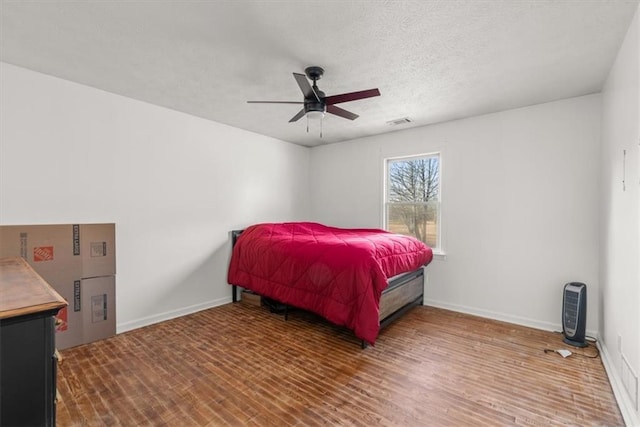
<point x="297" y="116"/>
<point x="352" y="96"/>
<point x="274" y="102"/>
<point x="305" y="87"/>
<point x="340" y="112"/>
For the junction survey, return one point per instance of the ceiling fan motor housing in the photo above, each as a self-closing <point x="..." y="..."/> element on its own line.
<point x="312" y="104"/>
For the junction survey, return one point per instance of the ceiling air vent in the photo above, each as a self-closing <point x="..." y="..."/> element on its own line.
<point x="401" y="121"/>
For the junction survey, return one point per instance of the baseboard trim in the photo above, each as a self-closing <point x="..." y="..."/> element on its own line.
<point x="494" y="315"/>
<point x="627" y="409"/>
<point x="629" y="414"/>
<point x="168" y="315"/>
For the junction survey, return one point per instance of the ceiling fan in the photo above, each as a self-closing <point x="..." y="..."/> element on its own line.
<point x="316" y="103"/>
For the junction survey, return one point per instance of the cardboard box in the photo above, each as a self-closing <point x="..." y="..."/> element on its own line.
<point x="87" y="249"/>
<point x="99" y="308"/>
<point x="91" y="313"/>
<point x="65" y="255"/>
<point x="68" y="323"/>
<point x="98" y="250"/>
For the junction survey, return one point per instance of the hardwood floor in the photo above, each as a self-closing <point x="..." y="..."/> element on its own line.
<point x="241" y="365"/>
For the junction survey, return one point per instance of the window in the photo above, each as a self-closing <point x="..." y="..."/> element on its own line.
<point x="412" y="197"/>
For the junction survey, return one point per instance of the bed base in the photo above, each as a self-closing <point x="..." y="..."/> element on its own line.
<point x="402" y="294"/>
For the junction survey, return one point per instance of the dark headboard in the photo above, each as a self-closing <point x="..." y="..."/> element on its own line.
<point x="234" y="236"/>
<point x="234" y="289"/>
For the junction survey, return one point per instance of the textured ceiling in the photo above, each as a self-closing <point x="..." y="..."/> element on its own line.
<point x="432" y="60"/>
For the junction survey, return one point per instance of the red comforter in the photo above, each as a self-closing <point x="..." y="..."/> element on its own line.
<point x="337" y="273"/>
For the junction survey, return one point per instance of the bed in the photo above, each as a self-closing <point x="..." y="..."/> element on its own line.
<point x="358" y="278"/>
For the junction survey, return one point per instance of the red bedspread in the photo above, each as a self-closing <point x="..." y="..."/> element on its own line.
<point x="337" y="273"/>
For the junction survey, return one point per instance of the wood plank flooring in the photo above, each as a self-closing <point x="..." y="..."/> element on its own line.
<point x="241" y="365"/>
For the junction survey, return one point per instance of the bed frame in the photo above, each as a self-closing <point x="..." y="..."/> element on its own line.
<point x="404" y="292"/>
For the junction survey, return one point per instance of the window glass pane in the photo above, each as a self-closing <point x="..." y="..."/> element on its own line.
<point x="413" y="198"/>
<point x="418" y="220"/>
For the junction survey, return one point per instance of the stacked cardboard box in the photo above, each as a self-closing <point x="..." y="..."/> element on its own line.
<point x="79" y="262"/>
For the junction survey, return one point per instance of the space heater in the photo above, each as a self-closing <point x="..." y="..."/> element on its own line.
<point x="574" y="314"/>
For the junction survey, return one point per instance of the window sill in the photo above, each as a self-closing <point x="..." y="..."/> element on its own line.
<point x="439" y="255"/>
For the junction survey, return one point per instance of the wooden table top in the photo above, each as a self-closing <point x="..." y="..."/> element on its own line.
<point x="23" y="291"/>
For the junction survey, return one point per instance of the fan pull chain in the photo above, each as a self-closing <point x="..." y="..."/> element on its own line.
<point x="321" y="120"/>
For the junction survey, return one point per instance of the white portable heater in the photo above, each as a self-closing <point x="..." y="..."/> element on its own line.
<point x="574" y="314"/>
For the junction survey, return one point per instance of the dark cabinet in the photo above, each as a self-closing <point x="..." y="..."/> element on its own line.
<point x="27" y="346"/>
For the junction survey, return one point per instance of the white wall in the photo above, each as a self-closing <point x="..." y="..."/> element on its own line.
<point x="620" y="213"/>
<point x="519" y="205"/>
<point x="175" y="185"/>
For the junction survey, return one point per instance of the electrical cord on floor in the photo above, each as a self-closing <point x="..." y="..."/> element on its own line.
<point x="591" y="342"/>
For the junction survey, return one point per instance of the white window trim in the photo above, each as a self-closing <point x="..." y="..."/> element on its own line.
<point x="439" y="252"/>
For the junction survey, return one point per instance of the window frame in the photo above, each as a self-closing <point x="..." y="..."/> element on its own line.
<point x="438" y="250"/>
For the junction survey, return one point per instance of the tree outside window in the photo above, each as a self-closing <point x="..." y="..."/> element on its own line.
<point x="413" y="198"/>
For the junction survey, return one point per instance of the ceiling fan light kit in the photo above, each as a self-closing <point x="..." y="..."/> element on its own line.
<point x="315" y="115"/>
<point x="316" y="103"/>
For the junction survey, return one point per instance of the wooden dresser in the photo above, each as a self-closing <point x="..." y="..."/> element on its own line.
<point x="27" y="346"/>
